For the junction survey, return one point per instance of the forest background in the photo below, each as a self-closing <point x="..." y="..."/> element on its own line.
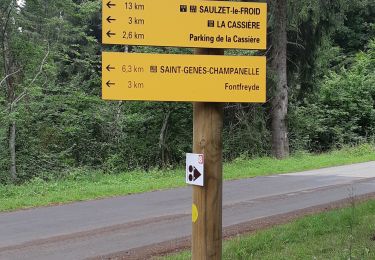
<point x="52" y="118"/>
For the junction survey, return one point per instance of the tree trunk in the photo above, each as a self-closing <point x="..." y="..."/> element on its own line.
<point x="12" y="149"/>
<point x="162" y="140"/>
<point x="279" y="103"/>
<point x="10" y="87"/>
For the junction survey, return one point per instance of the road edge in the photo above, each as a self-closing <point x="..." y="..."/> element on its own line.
<point x="250" y="227"/>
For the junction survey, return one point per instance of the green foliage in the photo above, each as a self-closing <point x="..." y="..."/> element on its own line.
<point x="245" y="132"/>
<point x="310" y="24"/>
<point x="62" y="123"/>
<point x="137" y="132"/>
<point x="57" y="114"/>
<point x="344" y="110"/>
<point x="358" y="28"/>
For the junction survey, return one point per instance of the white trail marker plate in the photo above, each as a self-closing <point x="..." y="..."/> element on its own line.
<point x="195" y="169"/>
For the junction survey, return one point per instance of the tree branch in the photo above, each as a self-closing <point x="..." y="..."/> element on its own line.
<point x="41" y="66"/>
<point x="9" y="75"/>
<point x="296" y="44"/>
<point x="23" y="94"/>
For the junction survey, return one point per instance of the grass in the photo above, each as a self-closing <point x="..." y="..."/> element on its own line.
<point x="85" y="185"/>
<point x="341" y="234"/>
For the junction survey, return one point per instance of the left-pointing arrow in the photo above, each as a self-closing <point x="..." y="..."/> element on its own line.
<point x="109" y="4"/>
<point x="110" y="19"/>
<point x="109" y="34"/>
<point x="109" y="83"/>
<point x="109" y="68"/>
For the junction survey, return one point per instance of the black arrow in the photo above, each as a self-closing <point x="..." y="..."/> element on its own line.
<point x="109" y="4"/>
<point x="109" y="83"/>
<point x="109" y="33"/>
<point x="194" y="173"/>
<point x="109" y="68"/>
<point x="110" y="19"/>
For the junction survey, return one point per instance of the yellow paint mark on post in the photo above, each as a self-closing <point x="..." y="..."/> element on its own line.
<point x="193" y="23"/>
<point x="194" y="213"/>
<point x="189" y="78"/>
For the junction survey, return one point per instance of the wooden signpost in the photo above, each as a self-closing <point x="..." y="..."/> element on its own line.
<point x="203" y="79"/>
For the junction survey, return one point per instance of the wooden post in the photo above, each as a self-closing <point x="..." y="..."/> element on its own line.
<point x="207" y="200"/>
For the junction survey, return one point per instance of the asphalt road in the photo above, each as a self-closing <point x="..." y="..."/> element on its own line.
<point x="101" y="227"/>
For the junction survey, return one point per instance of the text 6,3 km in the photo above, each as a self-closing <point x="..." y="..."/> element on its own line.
<point x="130" y="68"/>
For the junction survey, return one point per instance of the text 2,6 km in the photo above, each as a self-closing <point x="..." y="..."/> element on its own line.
<point x="134" y="6"/>
<point x="133" y="35"/>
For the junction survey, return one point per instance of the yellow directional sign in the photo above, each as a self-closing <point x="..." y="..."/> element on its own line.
<point x="185" y="23"/>
<point x="165" y="77"/>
